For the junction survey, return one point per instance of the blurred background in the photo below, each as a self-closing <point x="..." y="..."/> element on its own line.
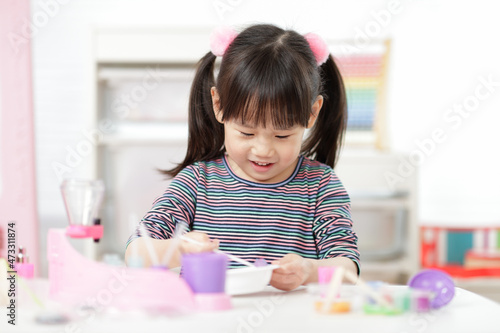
<point x="110" y="82"/>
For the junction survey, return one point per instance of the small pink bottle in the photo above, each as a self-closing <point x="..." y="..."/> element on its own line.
<point x="23" y="267"/>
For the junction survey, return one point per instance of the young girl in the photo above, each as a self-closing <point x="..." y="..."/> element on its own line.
<point x="249" y="185"/>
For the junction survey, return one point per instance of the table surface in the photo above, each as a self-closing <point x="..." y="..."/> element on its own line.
<point x="275" y="311"/>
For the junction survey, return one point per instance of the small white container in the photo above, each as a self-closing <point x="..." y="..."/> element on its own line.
<point x="247" y="280"/>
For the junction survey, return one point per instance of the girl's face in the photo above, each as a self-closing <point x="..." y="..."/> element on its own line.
<point x="263" y="154"/>
<point x="259" y="154"/>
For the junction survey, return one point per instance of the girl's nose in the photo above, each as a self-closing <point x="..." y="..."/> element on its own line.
<point x="262" y="148"/>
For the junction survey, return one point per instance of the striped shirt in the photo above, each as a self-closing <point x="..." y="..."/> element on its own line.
<point x="307" y="214"/>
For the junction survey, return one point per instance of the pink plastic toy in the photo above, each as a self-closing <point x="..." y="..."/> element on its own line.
<point x="76" y="280"/>
<point x="82" y="199"/>
<point x="23" y="267"/>
<point x="80" y="231"/>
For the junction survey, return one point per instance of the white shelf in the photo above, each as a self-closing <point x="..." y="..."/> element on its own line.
<point x="150" y="45"/>
<point x="147" y="133"/>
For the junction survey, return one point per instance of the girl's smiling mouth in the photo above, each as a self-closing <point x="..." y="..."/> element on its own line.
<point x="261" y="166"/>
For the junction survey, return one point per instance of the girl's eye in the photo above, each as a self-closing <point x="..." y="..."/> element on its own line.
<point x="246" y="134"/>
<point x="282" y="136"/>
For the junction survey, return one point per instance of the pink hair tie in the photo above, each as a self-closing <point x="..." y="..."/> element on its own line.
<point x="220" y="39"/>
<point x="318" y="47"/>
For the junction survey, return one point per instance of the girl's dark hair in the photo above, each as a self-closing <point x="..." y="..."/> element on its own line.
<point x="267" y="73"/>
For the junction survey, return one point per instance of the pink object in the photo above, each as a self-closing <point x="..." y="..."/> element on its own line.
<point x="325" y="274"/>
<point x="17" y="152"/>
<point x="220" y="39"/>
<point x="213" y="301"/>
<point x="76" y="280"/>
<point x="260" y="262"/>
<point x="23" y="267"/>
<point x="318" y="47"/>
<point x="82" y="231"/>
<point x="26" y="271"/>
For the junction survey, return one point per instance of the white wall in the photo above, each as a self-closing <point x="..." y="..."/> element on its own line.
<point x="441" y="50"/>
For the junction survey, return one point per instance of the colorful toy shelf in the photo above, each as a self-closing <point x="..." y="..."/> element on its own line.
<point x="364" y="70"/>
<point x="460" y="251"/>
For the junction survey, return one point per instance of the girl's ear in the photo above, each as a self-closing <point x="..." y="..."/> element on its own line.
<point x="316" y="108"/>
<point x="216" y="104"/>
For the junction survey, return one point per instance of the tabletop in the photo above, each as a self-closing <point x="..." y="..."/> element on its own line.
<point x="271" y="310"/>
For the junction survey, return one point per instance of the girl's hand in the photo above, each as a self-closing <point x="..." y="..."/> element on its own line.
<point x="293" y="272"/>
<point x="201" y="237"/>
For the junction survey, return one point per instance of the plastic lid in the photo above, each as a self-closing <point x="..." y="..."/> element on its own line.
<point x="436" y="281"/>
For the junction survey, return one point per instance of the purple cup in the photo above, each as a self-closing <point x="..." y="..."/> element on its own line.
<point x="436" y="281"/>
<point x="205" y="272"/>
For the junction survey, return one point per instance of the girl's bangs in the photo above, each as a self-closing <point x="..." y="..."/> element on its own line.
<point x="282" y="105"/>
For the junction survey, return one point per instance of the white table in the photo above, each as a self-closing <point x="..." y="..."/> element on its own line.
<point x="276" y="311"/>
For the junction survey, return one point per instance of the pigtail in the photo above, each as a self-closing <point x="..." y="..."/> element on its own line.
<point x="205" y="133"/>
<point x="327" y="135"/>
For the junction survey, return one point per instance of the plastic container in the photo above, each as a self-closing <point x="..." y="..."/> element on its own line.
<point x="248" y="280"/>
<point x="437" y="282"/>
<point x="82" y="199"/>
<point x="205" y="272"/>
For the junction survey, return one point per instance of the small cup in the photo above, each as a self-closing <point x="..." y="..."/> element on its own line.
<point x="205" y="272"/>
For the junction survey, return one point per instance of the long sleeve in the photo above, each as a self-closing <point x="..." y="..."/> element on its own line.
<point x="332" y="223"/>
<point x="176" y="205"/>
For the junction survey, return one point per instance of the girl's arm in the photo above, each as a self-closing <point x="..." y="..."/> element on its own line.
<point x="176" y="206"/>
<point x="336" y="242"/>
<point x="160" y="246"/>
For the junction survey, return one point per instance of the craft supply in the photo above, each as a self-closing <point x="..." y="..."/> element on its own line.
<point x="260" y="262"/>
<point x="399" y="299"/>
<point x="437" y="282"/>
<point x="325" y="274"/>
<point x="376" y="286"/>
<point x="232" y="257"/>
<point x="333" y="288"/>
<point x="337" y="306"/>
<point x="369" y="291"/>
<point x="23" y="267"/>
<point x="135" y="260"/>
<point x="149" y="246"/>
<point x="421" y="300"/>
<point x="179" y="230"/>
